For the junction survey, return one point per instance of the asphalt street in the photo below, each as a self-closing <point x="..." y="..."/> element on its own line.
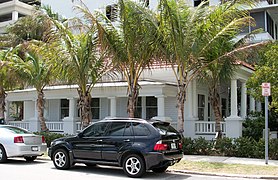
<point x="19" y="169"/>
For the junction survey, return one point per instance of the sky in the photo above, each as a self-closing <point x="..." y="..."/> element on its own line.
<point x="65" y="7"/>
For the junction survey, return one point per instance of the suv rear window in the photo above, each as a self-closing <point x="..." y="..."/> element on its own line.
<point x="165" y="129"/>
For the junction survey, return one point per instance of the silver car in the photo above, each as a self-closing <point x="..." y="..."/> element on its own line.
<point x="18" y="142"/>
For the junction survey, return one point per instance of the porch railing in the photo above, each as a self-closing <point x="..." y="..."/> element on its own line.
<point x="24" y="125"/>
<point x="55" y="126"/>
<point x="208" y="127"/>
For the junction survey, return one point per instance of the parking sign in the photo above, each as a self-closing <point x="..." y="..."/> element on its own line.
<point x="266" y="89"/>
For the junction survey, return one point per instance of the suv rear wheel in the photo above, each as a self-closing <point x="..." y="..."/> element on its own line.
<point x="134" y="165"/>
<point x="61" y="159"/>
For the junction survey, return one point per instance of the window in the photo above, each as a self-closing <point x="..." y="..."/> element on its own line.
<point x="95" y="130"/>
<point x="16" y="110"/>
<point x="5" y="17"/>
<point x="151" y="107"/>
<point x="138" y="108"/>
<point x="201" y="107"/>
<point x="64" y="108"/>
<point x="116" y="129"/>
<point x="146" y="2"/>
<point x="119" y="129"/>
<point x="112" y="12"/>
<point x="197" y="2"/>
<point x="224" y="107"/>
<point x="140" y="129"/>
<point x="95" y="108"/>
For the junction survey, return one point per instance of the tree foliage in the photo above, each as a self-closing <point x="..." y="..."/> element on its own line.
<point x="266" y="71"/>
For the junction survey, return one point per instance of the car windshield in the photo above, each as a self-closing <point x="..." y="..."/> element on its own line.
<point x="16" y="130"/>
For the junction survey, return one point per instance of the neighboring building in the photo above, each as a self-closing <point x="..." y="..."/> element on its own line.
<point x="158" y="91"/>
<point x="11" y="10"/>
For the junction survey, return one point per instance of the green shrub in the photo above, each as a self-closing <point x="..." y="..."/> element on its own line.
<point x="50" y="136"/>
<point x="273" y="149"/>
<point x="225" y="146"/>
<point x="187" y="146"/>
<point x="244" y="147"/>
<point x="202" y="146"/>
<point x="259" y="149"/>
<point x="253" y="126"/>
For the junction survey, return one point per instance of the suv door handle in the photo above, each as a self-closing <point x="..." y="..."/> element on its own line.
<point x="100" y="140"/>
<point x="126" y="140"/>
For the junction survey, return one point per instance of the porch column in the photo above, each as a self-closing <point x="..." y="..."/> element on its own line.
<point x="161" y="109"/>
<point x="234" y="122"/>
<point x="7" y="111"/>
<point x="189" y="120"/>
<point x="14" y="15"/>
<point x="160" y="106"/>
<point x="234" y="98"/>
<point x="194" y="99"/>
<point x="35" y="124"/>
<point x="70" y="122"/>
<point x="259" y="106"/>
<point x="113" y="106"/>
<point x="243" y="107"/>
<point x="252" y="104"/>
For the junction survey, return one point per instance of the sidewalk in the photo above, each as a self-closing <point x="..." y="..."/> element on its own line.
<point x="228" y="160"/>
<point x="220" y="159"/>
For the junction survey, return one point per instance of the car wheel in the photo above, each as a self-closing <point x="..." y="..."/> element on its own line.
<point x="134" y="166"/>
<point x="30" y="158"/>
<point x="3" y="155"/>
<point x="61" y="159"/>
<point x="160" y="170"/>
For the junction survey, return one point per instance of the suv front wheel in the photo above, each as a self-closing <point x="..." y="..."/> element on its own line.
<point x="134" y="166"/>
<point x="61" y="159"/>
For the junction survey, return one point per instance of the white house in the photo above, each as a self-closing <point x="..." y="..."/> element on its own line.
<point x="158" y="91"/>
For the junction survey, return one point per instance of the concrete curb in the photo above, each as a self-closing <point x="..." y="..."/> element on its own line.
<point x="224" y="175"/>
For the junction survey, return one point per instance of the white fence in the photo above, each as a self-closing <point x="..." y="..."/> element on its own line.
<point x="24" y="125"/>
<point x="55" y="126"/>
<point x="208" y="127"/>
<point x="201" y="127"/>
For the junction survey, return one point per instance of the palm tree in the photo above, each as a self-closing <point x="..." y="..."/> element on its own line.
<point x="131" y="42"/>
<point x="26" y="29"/>
<point x="82" y="61"/>
<point x="33" y="65"/>
<point x="8" y="81"/>
<point x="191" y="33"/>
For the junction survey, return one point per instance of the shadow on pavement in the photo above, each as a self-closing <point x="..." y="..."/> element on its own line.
<point x="22" y="161"/>
<point x="118" y="172"/>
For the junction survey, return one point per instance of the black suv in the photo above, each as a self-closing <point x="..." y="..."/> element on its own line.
<point x="136" y="145"/>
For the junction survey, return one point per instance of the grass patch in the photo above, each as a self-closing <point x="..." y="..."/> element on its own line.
<point x="226" y="168"/>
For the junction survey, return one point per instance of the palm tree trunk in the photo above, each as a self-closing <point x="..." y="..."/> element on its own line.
<point x="85" y="108"/>
<point x="132" y="97"/>
<point x="2" y="102"/>
<point x="215" y="102"/>
<point x="40" y="106"/>
<point x="181" y="99"/>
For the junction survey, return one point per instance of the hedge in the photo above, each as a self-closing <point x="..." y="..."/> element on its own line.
<point x="238" y="147"/>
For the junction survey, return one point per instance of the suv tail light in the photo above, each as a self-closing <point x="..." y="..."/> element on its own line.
<point x="180" y="145"/>
<point x="18" y="139"/>
<point x="159" y="146"/>
<point x="43" y="139"/>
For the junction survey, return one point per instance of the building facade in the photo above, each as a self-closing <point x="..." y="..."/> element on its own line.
<point x="157" y="98"/>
